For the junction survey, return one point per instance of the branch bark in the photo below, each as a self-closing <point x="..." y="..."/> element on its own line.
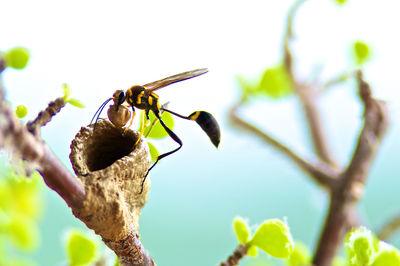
<point x="389" y="228"/>
<point x="321" y="173"/>
<point x="236" y="256"/>
<point x="348" y="190"/>
<point x="307" y="95"/>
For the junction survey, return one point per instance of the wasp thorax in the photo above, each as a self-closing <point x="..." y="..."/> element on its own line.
<point x="118" y="118"/>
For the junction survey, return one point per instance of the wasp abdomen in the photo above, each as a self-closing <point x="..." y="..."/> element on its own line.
<point x="209" y="125"/>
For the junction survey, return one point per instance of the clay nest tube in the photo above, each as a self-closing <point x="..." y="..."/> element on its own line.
<point x="111" y="168"/>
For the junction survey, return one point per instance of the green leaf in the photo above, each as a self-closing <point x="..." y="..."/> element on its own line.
<point x="247" y="87"/>
<point x="142" y="121"/>
<point x="387" y="257"/>
<point x="75" y="103"/>
<point x="340" y="261"/>
<point x="300" y="256"/>
<point x="67" y="91"/>
<point x="158" y="132"/>
<point x="17" y="57"/>
<point x="4" y="222"/>
<point x="80" y="249"/>
<point x="359" y="244"/>
<point x="273" y="237"/>
<point x="153" y="151"/>
<point x="241" y="229"/>
<point x="361" y="52"/>
<point x="340" y="2"/>
<point x="23" y="232"/>
<point x="27" y="199"/>
<point x="116" y="263"/>
<point x="275" y="83"/>
<point x="363" y="250"/>
<point x="21" y="111"/>
<point x="252" y="251"/>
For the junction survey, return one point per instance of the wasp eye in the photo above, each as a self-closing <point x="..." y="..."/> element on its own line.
<point x="121" y="98"/>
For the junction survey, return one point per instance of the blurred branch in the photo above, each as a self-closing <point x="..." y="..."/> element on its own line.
<point x="389" y="228"/>
<point x="19" y="141"/>
<point x="320" y="172"/>
<point x="236" y="256"/>
<point x="45" y="116"/>
<point x="348" y="190"/>
<point x="337" y="80"/>
<point x="307" y="95"/>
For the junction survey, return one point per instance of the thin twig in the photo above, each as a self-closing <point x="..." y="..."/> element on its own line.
<point x="15" y="137"/>
<point x="320" y="172"/>
<point x="337" y="80"/>
<point x="236" y="256"/>
<point x="45" y="116"/>
<point x="307" y="95"/>
<point x="389" y="228"/>
<point x="349" y="189"/>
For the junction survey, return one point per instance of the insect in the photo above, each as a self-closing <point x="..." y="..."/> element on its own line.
<point x="143" y="97"/>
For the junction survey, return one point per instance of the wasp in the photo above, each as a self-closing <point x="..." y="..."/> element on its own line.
<point x="144" y="98"/>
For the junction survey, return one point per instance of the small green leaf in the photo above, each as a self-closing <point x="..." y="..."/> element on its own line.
<point x="300" y="256"/>
<point x="339" y="261"/>
<point x="387" y="257"/>
<point x="241" y="229"/>
<point x="359" y="243"/>
<point x="252" y="251"/>
<point x="142" y="121"/>
<point x="116" y="263"/>
<point x="273" y="237"/>
<point x="75" y="103"/>
<point x="26" y="197"/>
<point x="158" y="132"/>
<point x="247" y="87"/>
<point x="153" y="151"/>
<point x="80" y="249"/>
<point x="363" y="250"/>
<point x="340" y="2"/>
<point x="67" y="91"/>
<point x="275" y="82"/>
<point x="17" y="57"/>
<point x="21" y="111"/>
<point x="361" y="52"/>
<point x="23" y="232"/>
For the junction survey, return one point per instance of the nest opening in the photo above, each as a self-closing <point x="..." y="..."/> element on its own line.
<point x="108" y="145"/>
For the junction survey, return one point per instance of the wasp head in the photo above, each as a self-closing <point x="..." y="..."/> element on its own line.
<point x="119" y="97"/>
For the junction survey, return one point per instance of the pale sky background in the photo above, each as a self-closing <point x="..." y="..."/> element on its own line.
<point x="99" y="46"/>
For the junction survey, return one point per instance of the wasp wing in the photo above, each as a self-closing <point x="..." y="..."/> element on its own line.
<point x="152" y="86"/>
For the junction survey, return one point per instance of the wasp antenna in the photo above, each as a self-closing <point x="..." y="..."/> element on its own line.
<point x="98" y="112"/>
<point x="100" y="109"/>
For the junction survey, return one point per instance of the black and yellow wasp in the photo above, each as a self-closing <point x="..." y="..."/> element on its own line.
<point x="143" y="97"/>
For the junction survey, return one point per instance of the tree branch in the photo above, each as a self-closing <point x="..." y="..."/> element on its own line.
<point x="389" y="228"/>
<point x="16" y="138"/>
<point x="236" y="256"/>
<point x="348" y="190"/>
<point x="45" y="116"/>
<point x="307" y="95"/>
<point x="319" y="172"/>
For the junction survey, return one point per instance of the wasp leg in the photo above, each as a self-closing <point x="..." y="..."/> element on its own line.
<point x="174" y="137"/>
<point x="207" y="123"/>
<point x="145" y="125"/>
